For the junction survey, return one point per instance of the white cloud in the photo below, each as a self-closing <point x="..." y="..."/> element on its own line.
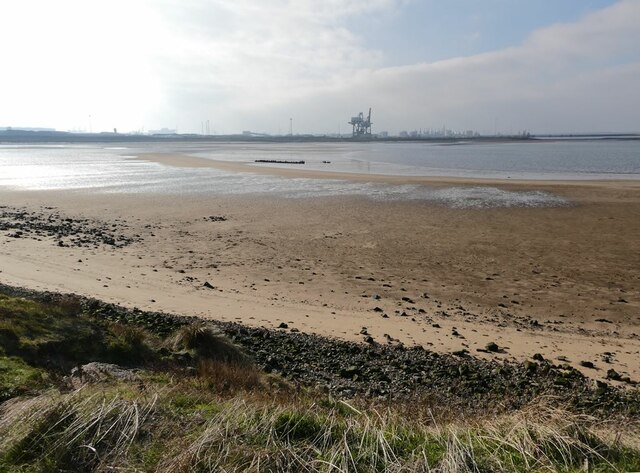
<point x="252" y="64"/>
<point x="581" y="76"/>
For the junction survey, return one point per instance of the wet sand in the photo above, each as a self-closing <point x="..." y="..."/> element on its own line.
<point x="563" y="282"/>
<point x="186" y="161"/>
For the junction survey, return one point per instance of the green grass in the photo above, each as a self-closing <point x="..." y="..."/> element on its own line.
<point x="18" y="378"/>
<point x="55" y="335"/>
<point x="60" y="336"/>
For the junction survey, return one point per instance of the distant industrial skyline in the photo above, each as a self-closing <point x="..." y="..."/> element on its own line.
<point x="223" y="66"/>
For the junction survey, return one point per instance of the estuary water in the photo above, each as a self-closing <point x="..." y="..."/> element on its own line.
<point x="114" y="168"/>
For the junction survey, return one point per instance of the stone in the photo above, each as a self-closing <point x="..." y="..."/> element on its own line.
<point x="97" y="372"/>
<point x="613" y="375"/>
<point x="462" y="352"/>
<point x="350" y="372"/>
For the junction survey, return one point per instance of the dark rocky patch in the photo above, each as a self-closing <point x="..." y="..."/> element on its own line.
<point x="389" y="371"/>
<point x="67" y="232"/>
<point x="216" y="218"/>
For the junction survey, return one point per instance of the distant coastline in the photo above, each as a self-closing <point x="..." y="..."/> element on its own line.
<point x="48" y="136"/>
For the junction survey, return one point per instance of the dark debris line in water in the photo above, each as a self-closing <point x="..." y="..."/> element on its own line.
<point x="348" y="369"/>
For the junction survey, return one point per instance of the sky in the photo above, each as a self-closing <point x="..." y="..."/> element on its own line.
<point x="545" y="66"/>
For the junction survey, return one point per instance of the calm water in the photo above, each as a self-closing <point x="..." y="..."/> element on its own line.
<point x="105" y="169"/>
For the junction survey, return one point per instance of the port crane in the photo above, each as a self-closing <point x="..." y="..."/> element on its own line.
<point x="361" y="126"/>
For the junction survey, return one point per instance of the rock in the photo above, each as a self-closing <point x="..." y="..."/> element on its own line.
<point x="601" y="385"/>
<point x="208" y="285"/>
<point x="96" y="372"/>
<point x="350" y="372"/>
<point x="587" y="364"/>
<point x="182" y="357"/>
<point x="538" y="357"/>
<point x="407" y="299"/>
<point x="492" y="347"/>
<point x="463" y="352"/>
<point x="377" y="309"/>
<point x="613" y="375"/>
<point x="369" y="339"/>
<point x="283" y="325"/>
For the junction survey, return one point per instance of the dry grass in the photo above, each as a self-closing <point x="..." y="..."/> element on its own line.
<point x="184" y="429"/>
<point x="208" y="342"/>
<point x="227" y="377"/>
<point x="73" y="432"/>
<point x="277" y="438"/>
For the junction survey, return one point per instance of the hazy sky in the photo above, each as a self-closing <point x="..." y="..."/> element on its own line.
<point x="543" y="65"/>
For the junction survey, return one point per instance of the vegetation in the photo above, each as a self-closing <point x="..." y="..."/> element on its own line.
<point x="196" y="403"/>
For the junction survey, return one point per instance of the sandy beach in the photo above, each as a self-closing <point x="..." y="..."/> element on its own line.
<point x="563" y="282"/>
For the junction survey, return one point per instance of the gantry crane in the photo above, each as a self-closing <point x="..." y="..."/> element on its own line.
<point x="361" y="126"/>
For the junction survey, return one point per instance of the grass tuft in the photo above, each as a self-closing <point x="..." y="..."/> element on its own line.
<point x="208" y="342"/>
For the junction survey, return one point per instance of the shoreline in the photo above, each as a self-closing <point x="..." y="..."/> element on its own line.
<point x="377" y="371"/>
<point x="544" y="280"/>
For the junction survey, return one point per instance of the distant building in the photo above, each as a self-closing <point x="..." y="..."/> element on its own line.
<point x="161" y="131"/>
<point x="14" y="128"/>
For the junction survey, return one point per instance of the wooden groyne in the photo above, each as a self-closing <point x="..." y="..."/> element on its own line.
<point x="278" y="161"/>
